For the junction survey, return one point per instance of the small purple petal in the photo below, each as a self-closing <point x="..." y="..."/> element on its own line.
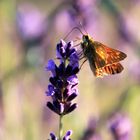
<point x="61" y="69"/>
<point x="50" y="91"/>
<point x="74" y="56"/>
<point x="51" y="107"/>
<point x="69" y="70"/>
<point x="56" y="82"/>
<point x="61" y="108"/>
<point x="60" y="51"/>
<point x="72" y="80"/>
<point x="71" y="97"/>
<point x="53" y="137"/>
<point x="63" y="43"/>
<point x="71" y="52"/>
<point x="51" y="66"/>
<point x="57" y="96"/>
<point x="71" y="108"/>
<point x="70" y="44"/>
<point x="67" y="136"/>
<point x="74" y="60"/>
<point x="75" y="89"/>
<point x="72" y="89"/>
<point x="69" y="47"/>
<point x="53" y="81"/>
<point x="69" y="133"/>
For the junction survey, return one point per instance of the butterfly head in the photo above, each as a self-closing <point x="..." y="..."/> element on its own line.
<point x="86" y="39"/>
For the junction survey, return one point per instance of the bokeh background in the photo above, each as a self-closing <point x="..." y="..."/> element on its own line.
<point x="29" y="32"/>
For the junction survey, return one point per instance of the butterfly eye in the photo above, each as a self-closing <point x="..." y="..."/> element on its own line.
<point x="86" y="37"/>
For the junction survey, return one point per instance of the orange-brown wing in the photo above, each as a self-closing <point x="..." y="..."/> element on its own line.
<point x="107" y="54"/>
<point x="108" y="69"/>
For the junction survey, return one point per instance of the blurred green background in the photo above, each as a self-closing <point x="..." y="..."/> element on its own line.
<point x="29" y="32"/>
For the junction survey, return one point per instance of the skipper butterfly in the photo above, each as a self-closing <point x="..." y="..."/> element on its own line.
<point x="102" y="59"/>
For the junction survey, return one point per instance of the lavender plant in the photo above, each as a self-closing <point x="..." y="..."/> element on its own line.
<point x="63" y="84"/>
<point x="120" y="127"/>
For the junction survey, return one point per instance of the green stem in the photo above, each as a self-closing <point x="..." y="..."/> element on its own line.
<point x="60" y="127"/>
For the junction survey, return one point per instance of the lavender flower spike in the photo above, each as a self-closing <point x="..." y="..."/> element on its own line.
<point x="63" y="82"/>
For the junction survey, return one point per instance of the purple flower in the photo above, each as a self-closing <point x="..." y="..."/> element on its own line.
<point x="120" y="126"/>
<point x="63" y="82"/>
<point x="91" y="131"/>
<point x="66" y="137"/>
<point x="66" y="51"/>
<point x="81" y="10"/>
<point x="51" y="67"/>
<point x="53" y="137"/>
<point x="72" y="80"/>
<point x="74" y="59"/>
<point x="51" y="90"/>
<point x="60" y="49"/>
<point x="30" y="22"/>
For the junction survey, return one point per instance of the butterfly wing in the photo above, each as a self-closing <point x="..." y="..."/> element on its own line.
<point x="106" y="54"/>
<point x="108" y="69"/>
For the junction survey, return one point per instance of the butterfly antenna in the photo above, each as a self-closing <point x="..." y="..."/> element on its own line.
<point x="83" y="27"/>
<point x="74" y="28"/>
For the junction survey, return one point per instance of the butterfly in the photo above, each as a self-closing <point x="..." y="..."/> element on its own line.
<point x="102" y="59"/>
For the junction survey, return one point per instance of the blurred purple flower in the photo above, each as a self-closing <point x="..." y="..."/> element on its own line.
<point x="63" y="83"/>
<point x="123" y="29"/>
<point x="120" y="126"/>
<point x="134" y="69"/>
<point x="90" y="132"/>
<point x="81" y="10"/>
<point x="30" y="22"/>
<point x="66" y="137"/>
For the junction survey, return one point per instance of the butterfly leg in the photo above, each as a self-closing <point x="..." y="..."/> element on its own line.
<point x="76" y="45"/>
<point x="74" y="28"/>
<point x="80" y="55"/>
<point x="83" y="63"/>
